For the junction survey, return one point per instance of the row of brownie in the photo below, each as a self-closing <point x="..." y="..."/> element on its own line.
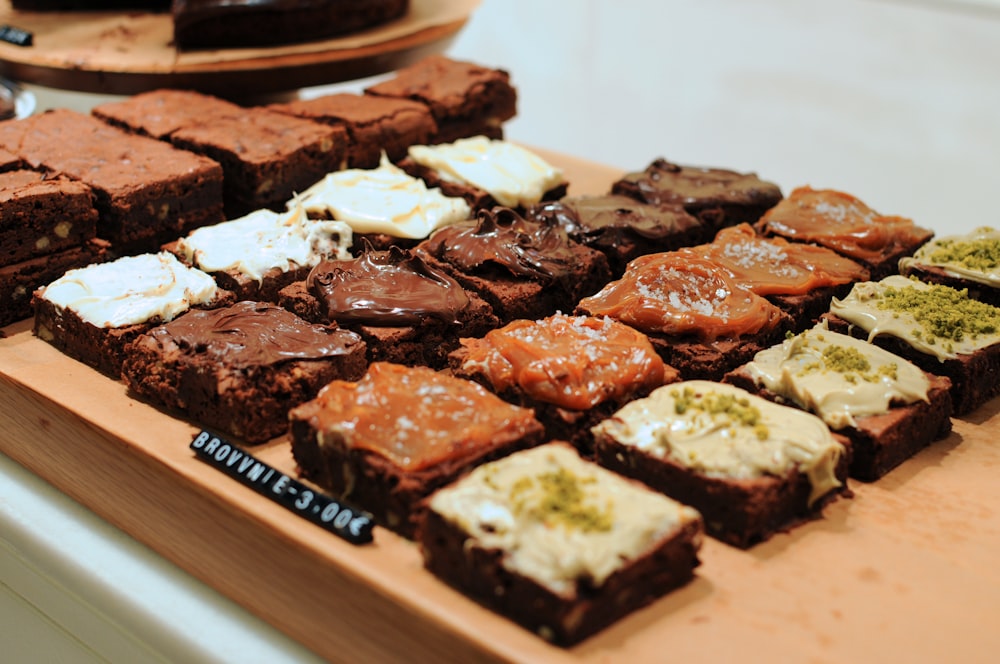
<point x="77" y="178"/>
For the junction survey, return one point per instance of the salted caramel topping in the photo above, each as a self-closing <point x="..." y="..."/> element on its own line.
<point x="558" y="519"/>
<point x="774" y="266"/>
<point x="937" y="320"/>
<point x="413" y="416"/>
<point x="974" y="257"/>
<point x="386" y="288"/>
<point x="677" y="293"/>
<point x="843" y="223"/>
<point x="838" y="377"/>
<point x="574" y="362"/>
<point x="723" y="431"/>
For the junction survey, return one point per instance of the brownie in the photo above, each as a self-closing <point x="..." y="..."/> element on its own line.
<point x="523" y="269"/>
<point x="10" y="161"/>
<point x="800" y="279"/>
<point x="486" y="172"/>
<point x="941" y="330"/>
<point x="718" y="197"/>
<point x="574" y="371"/>
<point x="465" y="99"/>
<point x="92" y="312"/>
<point x="841" y="222"/>
<point x="385" y="207"/>
<point x="699" y="319"/>
<point x="147" y="192"/>
<point x="201" y="24"/>
<point x="387" y="441"/>
<point x="407" y="311"/>
<point x="240" y="369"/>
<point x="159" y="113"/>
<point x="504" y="534"/>
<point x="42" y="215"/>
<point x="888" y="407"/>
<point x="970" y="261"/>
<point x="266" y="157"/>
<point x="623" y="228"/>
<point x="256" y="256"/>
<point x="374" y="124"/>
<point x="751" y="467"/>
<point x="19" y="280"/>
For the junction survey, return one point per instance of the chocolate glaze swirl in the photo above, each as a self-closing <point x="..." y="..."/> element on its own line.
<point x="386" y="289"/>
<point x="607" y="219"/>
<point x="502" y="238"/>
<point x="251" y="334"/>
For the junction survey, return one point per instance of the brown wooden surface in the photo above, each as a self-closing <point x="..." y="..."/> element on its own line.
<point x="906" y="570"/>
<point x="129" y="52"/>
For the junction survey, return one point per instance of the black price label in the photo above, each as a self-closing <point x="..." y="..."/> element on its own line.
<point x="352" y="524"/>
<point x="16" y="36"/>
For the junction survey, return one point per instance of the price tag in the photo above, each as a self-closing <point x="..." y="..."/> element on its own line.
<point x="352" y="524"/>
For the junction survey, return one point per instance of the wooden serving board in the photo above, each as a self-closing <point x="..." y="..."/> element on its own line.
<point x="905" y="570"/>
<point x="129" y="52"/>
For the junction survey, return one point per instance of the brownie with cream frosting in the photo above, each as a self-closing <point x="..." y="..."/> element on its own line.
<point x="717" y="196"/>
<point x="751" y="467"/>
<point x="407" y="310"/>
<point x="558" y="544"/>
<point x="466" y="99"/>
<point x="389" y="439"/>
<point x="574" y="371"/>
<point x="524" y="269"/>
<point x="240" y="369"/>
<point x="970" y="261"/>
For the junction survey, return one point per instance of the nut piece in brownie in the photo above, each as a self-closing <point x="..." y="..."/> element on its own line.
<point x="388" y="440"/>
<point x="750" y="466"/>
<point x="970" y="261"/>
<point x="717" y="196"/>
<point x="406" y="310"/>
<point x="623" y="228"/>
<point x="91" y="313"/>
<point x="940" y="329"/>
<point x="486" y="172"/>
<point x="257" y="255"/>
<point x="42" y="214"/>
<point x="574" y="371"/>
<point x="700" y="320"/>
<point x="465" y="99"/>
<point x="799" y="278"/>
<point x="19" y="280"/>
<point x="888" y="407"/>
<point x="384" y="206"/>
<point x="558" y="544"/>
<point x="841" y="222"/>
<point x="524" y="269"/>
<point x="147" y="192"/>
<point x="240" y="369"/>
<point x="374" y="124"/>
<point x="216" y="24"/>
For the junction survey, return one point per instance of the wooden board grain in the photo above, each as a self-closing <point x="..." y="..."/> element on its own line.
<point x="906" y="569"/>
<point x="130" y="52"/>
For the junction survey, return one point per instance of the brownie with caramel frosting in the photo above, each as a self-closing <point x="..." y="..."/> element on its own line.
<point x="389" y="439"/>
<point x="407" y="310"/>
<point x="524" y="269"/>
<point x="240" y="369"/>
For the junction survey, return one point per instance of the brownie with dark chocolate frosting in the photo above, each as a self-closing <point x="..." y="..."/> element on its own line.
<point x="524" y="269"/>
<point x="240" y="369"/>
<point x="623" y="228"/>
<point x="717" y="196"/>
<point x="407" y="310"/>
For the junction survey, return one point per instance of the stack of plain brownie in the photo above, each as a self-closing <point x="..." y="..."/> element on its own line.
<point x="507" y="373"/>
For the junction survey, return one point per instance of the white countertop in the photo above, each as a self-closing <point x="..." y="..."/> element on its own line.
<point x="895" y="102"/>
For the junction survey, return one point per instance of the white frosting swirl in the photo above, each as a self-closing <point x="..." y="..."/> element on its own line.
<point x="497" y="505"/>
<point x="264" y="240"/>
<point x="511" y="174"/>
<point x="131" y="290"/>
<point x="382" y="200"/>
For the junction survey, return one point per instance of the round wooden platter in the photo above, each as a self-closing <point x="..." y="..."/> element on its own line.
<point x="129" y="52"/>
